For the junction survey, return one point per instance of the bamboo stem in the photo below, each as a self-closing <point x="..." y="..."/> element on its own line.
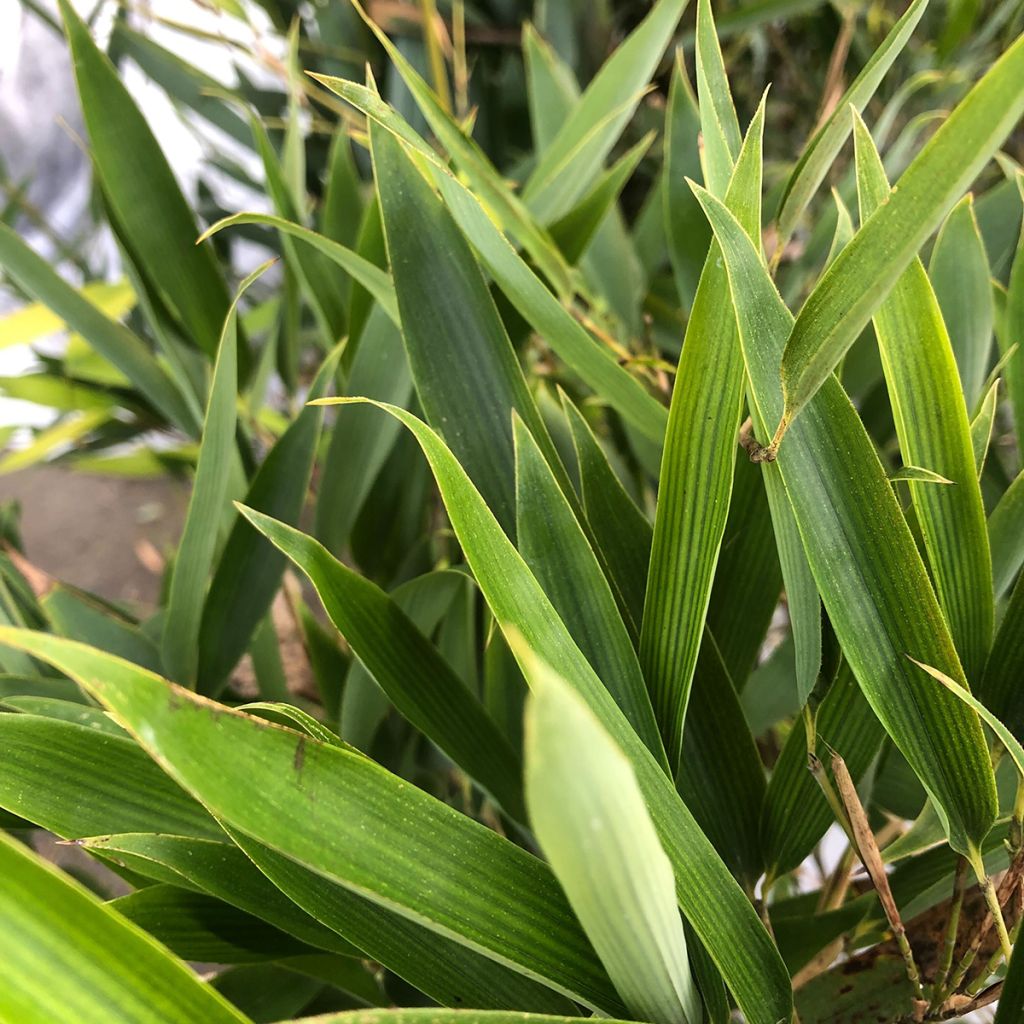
<point x="952" y="927"/>
<point x="871" y="857"/>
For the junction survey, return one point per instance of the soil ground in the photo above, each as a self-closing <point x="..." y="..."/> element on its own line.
<point x="104" y="534"/>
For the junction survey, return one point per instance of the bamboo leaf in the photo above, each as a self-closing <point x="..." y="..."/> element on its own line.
<point x="287" y="791"/>
<point x="1000" y="685"/>
<point x="720" y="130"/>
<point x="249" y="571"/>
<point x="981" y="427"/>
<point x="591" y="821"/>
<point x="221" y="871"/>
<point x="66" y="955"/>
<point x="1011" y="333"/>
<point x="36" y="321"/>
<point x="933" y="431"/>
<point x="457" y="345"/>
<point x="864" y="272"/>
<point x="595" y="364"/>
<point x="141" y="190"/>
<point x="196" y="926"/>
<point x="960" y="275"/>
<point x="109" y="784"/>
<point x="1009" y="741"/>
<point x="721" y="778"/>
<point x="555" y="547"/>
<point x="482" y="175"/>
<point x="845" y="510"/>
<point x="720" y="914"/>
<point x="372" y="278"/>
<point x="686" y="227"/>
<point x="435" y="1015"/>
<point x="696" y="470"/>
<point x="360" y="443"/>
<point x="1006" y="536"/>
<point x="621" y="531"/>
<point x="179" y="646"/>
<point x="575" y="156"/>
<point x="448" y="972"/>
<point x="73" y="614"/>
<point x="410" y="670"/>
<point x="575" y="230"/>
<point x="796" y="814"/>
<point x="917" y="475"/>
<point x="824" y="146"/>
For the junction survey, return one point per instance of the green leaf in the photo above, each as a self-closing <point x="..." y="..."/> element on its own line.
<point x="1008" y="740"/>
<point x="426" y="599"/>
<point x="219" y="870"/>
<point x="343" y="202"/>
<point x="108" y="784"/>
<point x="844" y="229"/>
<point x="848" y="515"/>
<point x="1011" y="333"/>
<point x="575" y="156"/>
<point x="360" y="443"/>
<point x="551" y="88"/>
<point x="64" y="711"/>
<point x="142" y="192"/>
<point x="960" y="275"/>
<point x="434" y="1015"/>
<point x="725" y="803"/>
<point x="931" y="424"/>
<point x="372" y="278"/>
<point x="686" y="227"/>
<point x="596" y="364"/>
<point x="76" y="615"/>
<point x="1000" y="685"/>
<point x="444" y="970"/>
<point x="981" y="427"/>
<point x="824" y="146"/>
<point x="179" y="646"/>
<point x="1006" y="536"/>
<point x="917" y="475"/>
<point x="484" y="179"/>
<point x="36" y="321"/>
<point x="590" y="819"/>
<point x="313" y="268"/>
<point x="864" y="272"/>
<point x="105" y="335"/>
<point x="407" y="666"/>
<point x="720" y="130"/>
<point x="248" y="574"/>
<point x="68" y="957"/>
<point x="198" y="927"/>
<point x="457" y="345"/>
<point x="721" y="778"/>
<point x="748" y="578"/>
<point x="709" y="897"/>
<point x="47" y="443"/>
<point x="555" y="547"/>
<point x="575" y="230"/>
<point x="620" y="530"/>
<point x="385" y="839"/>
<point x="697" y="462"/>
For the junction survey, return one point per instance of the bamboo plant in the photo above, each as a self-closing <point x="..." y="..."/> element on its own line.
<point x="621" y="612"/>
